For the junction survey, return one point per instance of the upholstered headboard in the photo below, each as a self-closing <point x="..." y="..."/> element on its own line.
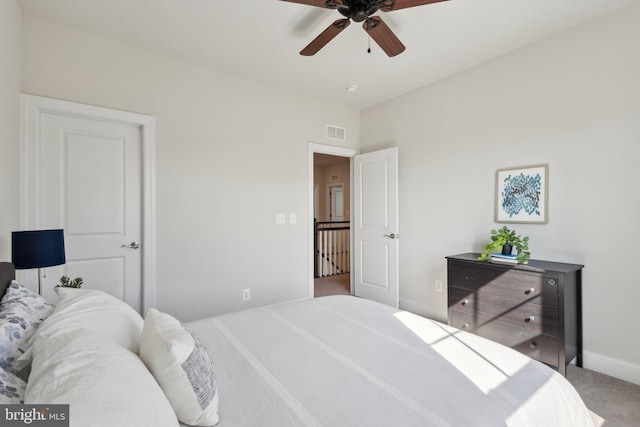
<point x="7" y="274"/>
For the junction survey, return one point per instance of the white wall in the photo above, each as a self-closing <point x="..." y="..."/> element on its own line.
<point x="572" y="101"/>
<point x="231" y="154"/>
<point x="10" y="45"/>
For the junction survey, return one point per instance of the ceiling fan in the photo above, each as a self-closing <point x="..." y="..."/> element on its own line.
<point x="361" y="11"/>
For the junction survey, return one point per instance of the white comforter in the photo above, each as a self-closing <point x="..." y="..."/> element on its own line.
<point x="345" y="361"/>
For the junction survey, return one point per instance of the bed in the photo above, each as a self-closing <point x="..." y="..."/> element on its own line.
<point x="330" y="361"/>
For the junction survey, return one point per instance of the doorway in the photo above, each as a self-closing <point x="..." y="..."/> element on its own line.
<point x="332" y="237"/>
<point x="330" y="248"/>
<point x="373" y="199"/>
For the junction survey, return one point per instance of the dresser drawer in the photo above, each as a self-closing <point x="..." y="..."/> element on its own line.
<point x="532" y="315"/>
<point x="498" y="280"/>
<point x="535" y="345"/>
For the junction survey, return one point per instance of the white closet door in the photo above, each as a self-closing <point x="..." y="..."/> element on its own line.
<point x="88" y="179"/>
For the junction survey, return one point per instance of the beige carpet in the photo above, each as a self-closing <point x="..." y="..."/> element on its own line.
<point x="332" y="285"/>
<point x="613" y="402"/>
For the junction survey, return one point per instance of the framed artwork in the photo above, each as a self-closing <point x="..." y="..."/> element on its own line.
<point x="522" y="195"/>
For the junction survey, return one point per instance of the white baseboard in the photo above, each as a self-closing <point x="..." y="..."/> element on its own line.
<point x="613" y="367"/>
<point x="423" y="310"/>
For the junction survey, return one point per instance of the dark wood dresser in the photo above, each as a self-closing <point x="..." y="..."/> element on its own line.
<point x="534" y="308"/>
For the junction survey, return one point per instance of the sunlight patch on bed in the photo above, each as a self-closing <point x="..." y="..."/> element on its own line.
<point x="483" y="362"/>
<point x="427" y="330"/>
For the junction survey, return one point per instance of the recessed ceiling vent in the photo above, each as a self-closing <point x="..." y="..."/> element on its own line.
<point x="335" y="132"/>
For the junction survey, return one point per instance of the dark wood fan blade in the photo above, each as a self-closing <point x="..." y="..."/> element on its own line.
<point x="331" y="4"/>
<point x="382" y="34"/>
<point x="403" y="4"/>
<point x="325" y="37"/>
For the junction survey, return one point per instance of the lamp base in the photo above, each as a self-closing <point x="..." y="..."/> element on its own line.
<point x="39" y="282"/>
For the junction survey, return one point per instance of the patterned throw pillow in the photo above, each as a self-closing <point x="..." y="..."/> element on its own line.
<point x="21" y="313"/>
<point x="182" y="366"/>
<point x="12" y="388"/>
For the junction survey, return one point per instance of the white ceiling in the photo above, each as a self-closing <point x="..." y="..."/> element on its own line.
<point x="260" y="39"/>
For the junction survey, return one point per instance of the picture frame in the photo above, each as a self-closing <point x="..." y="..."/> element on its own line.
<point x="522" y="195"/>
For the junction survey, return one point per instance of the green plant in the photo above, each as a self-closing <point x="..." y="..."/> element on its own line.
<point x="65" y="282"/>
<point x="505" y="236"/>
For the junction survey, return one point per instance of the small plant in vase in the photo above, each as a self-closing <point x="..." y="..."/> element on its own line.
<point x="503" y="240"/>
<point x="65" y="282"/>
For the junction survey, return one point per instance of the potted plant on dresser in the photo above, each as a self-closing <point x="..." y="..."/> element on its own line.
<point x="503" y="241"/>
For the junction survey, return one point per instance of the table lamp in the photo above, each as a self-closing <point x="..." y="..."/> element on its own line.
<point x="37" y="249"/>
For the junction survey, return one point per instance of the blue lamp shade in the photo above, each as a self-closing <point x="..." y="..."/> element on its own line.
<point x="37" y="248"/>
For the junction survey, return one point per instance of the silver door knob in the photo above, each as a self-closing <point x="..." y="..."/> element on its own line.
<point x="391" y="236"/>
<point x="132" y="245"/>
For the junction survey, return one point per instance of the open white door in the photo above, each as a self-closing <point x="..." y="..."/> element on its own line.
<point x="375" y="226"/>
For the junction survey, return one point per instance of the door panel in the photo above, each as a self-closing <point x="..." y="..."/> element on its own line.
<point x="375" y="226"/>
<point x="105" y="274"/>
<point x="375" y="264"/>
<point x="375" y="201"/>
<point x="95" y="184"/>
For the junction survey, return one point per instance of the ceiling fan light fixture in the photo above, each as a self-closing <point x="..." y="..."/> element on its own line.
<point x="361" y="11"/>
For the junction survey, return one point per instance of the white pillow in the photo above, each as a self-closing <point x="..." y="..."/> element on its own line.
<point x="103" y="383"/>
<point x="183" y="368"/>
<point x="11" y="388"/>
<point x="21" y="313"/>
<point x="98" y="311"/>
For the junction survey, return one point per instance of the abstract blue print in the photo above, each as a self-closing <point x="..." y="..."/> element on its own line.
<point x="522" y="193"/>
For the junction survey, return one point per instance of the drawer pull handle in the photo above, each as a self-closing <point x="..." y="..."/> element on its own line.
<point x="465" y="302"/>
<point x="466" y="325"/>
<point x="533" y="344"/>
<point x="530" y="318"/>
<point x="529" y="291"/>
<point x="552" y="282"/>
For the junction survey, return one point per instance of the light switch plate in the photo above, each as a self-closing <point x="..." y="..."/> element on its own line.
<point x="280" y="219"/>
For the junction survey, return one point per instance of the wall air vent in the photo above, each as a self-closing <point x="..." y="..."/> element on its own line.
<point x="335" y="132"/>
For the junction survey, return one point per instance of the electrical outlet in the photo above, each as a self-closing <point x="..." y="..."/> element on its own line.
<point x="280" y="219"/>
<point x="246" y="294"/>
<point x="438" y="285"/>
